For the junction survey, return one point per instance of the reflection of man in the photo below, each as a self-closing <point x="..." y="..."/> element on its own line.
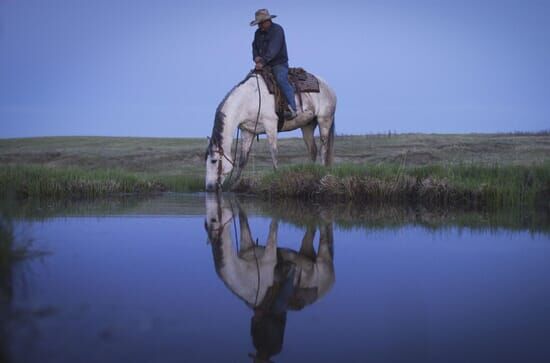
<point x="269" y="49"/>
<point x="267" y="326"/>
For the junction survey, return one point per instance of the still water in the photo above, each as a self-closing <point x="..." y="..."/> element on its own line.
<point x="196" y="278"/>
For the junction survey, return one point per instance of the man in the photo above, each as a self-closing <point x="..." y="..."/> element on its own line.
<point x="269" y="49"/>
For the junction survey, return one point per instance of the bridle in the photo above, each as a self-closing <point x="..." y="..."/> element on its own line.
<point x="222" y="154"/>
<point x="218" y="231"/>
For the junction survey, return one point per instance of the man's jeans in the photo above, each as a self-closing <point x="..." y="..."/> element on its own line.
<point x="280" y="71"/>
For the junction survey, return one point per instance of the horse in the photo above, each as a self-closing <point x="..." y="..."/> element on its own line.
<point x="251" y="271"/>
<point x="251" y="108"/>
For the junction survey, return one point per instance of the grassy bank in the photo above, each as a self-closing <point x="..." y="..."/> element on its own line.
<point x="471" y="186"/>
<point x="455" y="185"/>
<point x="32" y="181"/>
<point x="434" y="169"/>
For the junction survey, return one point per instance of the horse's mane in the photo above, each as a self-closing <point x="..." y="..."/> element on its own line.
<point x="219" y="119"/>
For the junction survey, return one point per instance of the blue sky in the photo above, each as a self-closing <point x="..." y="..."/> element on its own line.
<point x="160" y="68"/>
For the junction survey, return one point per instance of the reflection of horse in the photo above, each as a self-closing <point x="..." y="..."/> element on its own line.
<point x="268" y="279"/>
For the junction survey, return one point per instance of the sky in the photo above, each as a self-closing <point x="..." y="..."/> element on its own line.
<point x="159" y="68"/>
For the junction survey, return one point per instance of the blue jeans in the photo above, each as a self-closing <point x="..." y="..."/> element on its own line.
<point x="280" y="71"/>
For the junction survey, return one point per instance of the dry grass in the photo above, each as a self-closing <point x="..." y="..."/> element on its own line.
<point x="184" y="156"/>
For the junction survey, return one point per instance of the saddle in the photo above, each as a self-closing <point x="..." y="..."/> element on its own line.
<point x="301" y="80"/>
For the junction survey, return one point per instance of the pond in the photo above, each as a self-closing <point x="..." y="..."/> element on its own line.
<point x="206" y="278"/>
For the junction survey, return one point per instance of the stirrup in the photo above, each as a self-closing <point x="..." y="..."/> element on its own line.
<point x="290" y="114"/>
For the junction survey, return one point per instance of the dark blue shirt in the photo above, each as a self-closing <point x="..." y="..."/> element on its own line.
<point x="270" y="45"/>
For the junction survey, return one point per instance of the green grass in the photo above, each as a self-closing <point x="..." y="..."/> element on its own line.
<point x="478" y="169"/>
<point x="39" y="181"/>
<point x="454" y="185"/>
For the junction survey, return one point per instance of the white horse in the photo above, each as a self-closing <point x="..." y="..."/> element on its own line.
<point x="250" y="107"/>
<point x="249" y="271"/>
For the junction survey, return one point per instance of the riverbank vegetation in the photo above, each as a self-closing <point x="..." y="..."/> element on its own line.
<point x="34" y="181"/>
<point x="478" y="170"/>
<point x="464" y="185"/>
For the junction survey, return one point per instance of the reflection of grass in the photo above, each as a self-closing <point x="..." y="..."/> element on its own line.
<point x="373" y="216"/>
<point x="40" y="181"/>
<point x="462" y="185"/>
<point x="12" y="249"/>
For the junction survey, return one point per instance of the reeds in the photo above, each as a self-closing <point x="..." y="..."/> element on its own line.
<point x="463" y="185"/>
<point x="39" y="181"/>
<point x="456" y="185"/>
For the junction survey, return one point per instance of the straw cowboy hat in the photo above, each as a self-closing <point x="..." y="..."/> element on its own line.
<point x="261" y="15"/>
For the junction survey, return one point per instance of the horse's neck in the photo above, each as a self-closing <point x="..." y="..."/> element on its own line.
<point x="232" y="114"/>
<point x="237" y="106"/>
<point x="248" y="276"/>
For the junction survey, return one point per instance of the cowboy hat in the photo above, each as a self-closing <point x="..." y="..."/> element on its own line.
<point x="261" y="15"/>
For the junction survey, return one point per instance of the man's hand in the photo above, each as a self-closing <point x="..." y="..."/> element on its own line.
<point x="259" y="66"/>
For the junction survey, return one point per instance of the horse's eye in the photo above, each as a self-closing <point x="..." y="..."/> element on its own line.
<point x="213" y="161"/>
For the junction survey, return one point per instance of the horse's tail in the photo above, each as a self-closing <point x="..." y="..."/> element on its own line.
<point x="330" y="144"/>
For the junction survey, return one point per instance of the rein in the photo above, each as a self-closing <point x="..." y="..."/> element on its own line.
<point x="220" y="147"/>
<point x="257" y="116"/>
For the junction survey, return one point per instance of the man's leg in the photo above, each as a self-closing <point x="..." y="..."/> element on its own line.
<point x="281" y="75"/>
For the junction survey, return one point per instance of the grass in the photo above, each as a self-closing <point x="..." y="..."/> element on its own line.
<point x="497" y="170"/>
<point x="455" y="185"/>
<point x="39" y="181"/>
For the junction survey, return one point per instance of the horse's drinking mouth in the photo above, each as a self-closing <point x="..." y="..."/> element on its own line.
<point x="212" y="187"/>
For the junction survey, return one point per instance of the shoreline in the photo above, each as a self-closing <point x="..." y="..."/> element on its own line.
<point x="469" y="186"/>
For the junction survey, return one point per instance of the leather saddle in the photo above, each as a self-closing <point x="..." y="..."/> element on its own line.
<point x="300" y="79"/>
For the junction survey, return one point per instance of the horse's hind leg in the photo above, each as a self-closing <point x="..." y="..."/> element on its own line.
<point x="326" y="242"/>
<point x="326" y="132"/>
<point x="308" y="134"/>
<point x="306" y="249"/>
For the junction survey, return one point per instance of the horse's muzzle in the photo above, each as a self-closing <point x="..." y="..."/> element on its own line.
<point x="212" y="187"/>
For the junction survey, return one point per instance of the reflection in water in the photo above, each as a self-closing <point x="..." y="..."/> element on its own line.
<point x="414" y="285"/>
<point x="14" y="249"/>
<point x="271" y="280"/>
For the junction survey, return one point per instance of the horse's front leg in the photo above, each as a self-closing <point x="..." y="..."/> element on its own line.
<point x="246" y="236"/>
<point x="247" y="138"/>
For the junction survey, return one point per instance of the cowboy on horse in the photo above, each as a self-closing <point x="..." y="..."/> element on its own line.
<point x="254" y="107"/>
<point x="269" y="49"/>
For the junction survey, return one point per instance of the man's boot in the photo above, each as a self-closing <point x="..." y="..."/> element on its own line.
<point x="290" y="113"/>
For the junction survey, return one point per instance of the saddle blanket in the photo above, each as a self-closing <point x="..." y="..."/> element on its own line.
<point x="298" y="77"/>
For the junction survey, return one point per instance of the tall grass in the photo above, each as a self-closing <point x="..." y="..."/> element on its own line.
<point x="39" y="181"/>
<point x="465" y="185"/>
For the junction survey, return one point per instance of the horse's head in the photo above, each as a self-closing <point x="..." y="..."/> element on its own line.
<point x="218" y="216"/>
<point x="218" y="166"/>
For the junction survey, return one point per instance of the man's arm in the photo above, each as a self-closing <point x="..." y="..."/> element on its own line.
<point x="254" y="50"/>
<point x="275" y="45"/>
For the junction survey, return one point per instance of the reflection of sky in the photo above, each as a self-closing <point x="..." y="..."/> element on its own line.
<point x="145" y="289"/>
<point x="159" y="68"/>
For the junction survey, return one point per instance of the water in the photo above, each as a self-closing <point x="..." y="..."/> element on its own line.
<point x="158" y="280"/>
